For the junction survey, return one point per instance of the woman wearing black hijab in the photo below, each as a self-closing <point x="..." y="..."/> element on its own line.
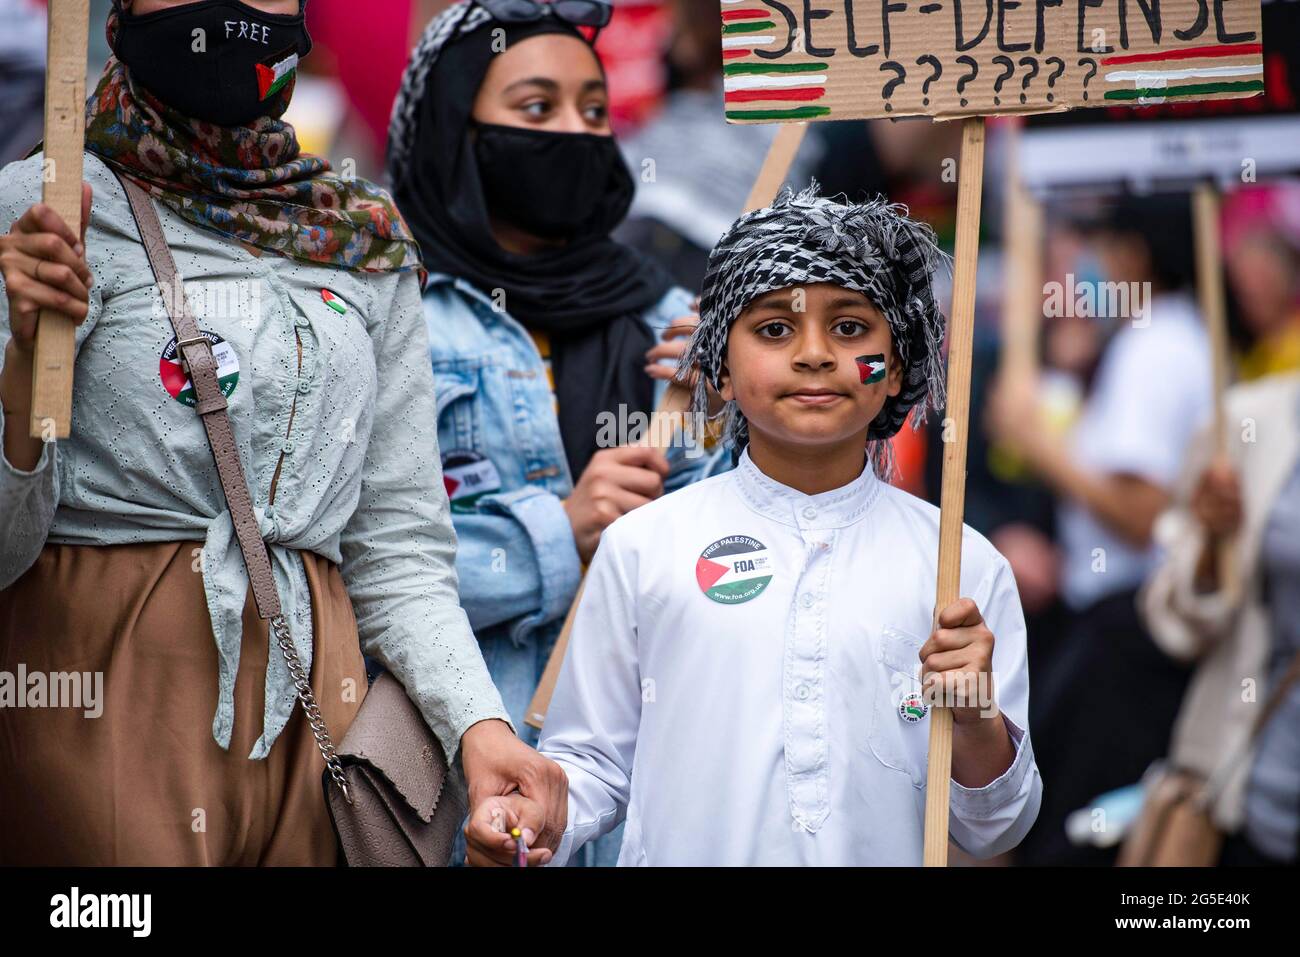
<point x="543" y="331"/>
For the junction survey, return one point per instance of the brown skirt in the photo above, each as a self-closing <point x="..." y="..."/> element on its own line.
<point x="144" y="783"/>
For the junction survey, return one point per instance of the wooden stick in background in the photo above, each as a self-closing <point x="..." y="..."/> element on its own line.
<point x="1022" y="304"/>
<point x="777" y="164"/>
<point x="670" y="414"/>
<point x="1209" y="290"/>
<point x="952" y="501"/>
<point x="671" y="411"/>
<point x="65" y="136"/>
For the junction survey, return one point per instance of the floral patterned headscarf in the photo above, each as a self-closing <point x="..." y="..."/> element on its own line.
<point x="248" y="182"/>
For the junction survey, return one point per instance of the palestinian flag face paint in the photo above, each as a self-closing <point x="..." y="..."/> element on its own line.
<point x="871" y="368"/>
<point x="734" y="569"/>
<point x="177" y="381"/>
<point x="274" y="72"/>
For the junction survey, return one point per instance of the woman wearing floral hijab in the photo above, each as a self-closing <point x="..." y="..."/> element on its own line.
<point x="118" y="559"/>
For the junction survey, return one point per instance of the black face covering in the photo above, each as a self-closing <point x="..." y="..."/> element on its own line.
<point x="550" y="184"/>
<point x="216" y="60"/>
<point x="590" y="294"/>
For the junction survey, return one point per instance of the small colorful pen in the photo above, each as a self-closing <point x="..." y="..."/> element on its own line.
<point x="521" y="849"/>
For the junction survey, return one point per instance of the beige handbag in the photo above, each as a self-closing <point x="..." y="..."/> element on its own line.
<point x="385" y="784"/>
<point x="1175" y="828"/>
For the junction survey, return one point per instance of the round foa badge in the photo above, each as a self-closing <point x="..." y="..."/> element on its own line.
<point x="734" y="569"/>
<point x="177" y="382"/>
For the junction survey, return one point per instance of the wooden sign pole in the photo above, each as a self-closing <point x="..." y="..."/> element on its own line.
<point x="1209" y="282"/>
<point x="671" y="411"/>
<point x="961" y="329"/>
<point x="65" y="134"/>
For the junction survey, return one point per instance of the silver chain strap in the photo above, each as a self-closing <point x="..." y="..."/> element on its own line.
<point x="308" y="698"/>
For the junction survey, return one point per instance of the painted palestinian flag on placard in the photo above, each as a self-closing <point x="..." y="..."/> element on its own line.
<point x="1200" y="72"/>
<point x="762" y="90"/>
<point x="871" y="368"/>
<point x="274" y="72"/>
<point x="734" y="569"/>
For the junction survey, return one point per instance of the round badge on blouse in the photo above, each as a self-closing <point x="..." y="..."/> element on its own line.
<point x="734" y="569"/>
<point x="176" y="379"/>
<point x="912" y="707"/>
<point x="334" y="302"/>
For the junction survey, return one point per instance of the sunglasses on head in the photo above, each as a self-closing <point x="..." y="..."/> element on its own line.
<point x="579" y="13"/>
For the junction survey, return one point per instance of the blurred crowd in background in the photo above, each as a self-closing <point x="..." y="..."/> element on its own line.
<point x="1069" y="482"/>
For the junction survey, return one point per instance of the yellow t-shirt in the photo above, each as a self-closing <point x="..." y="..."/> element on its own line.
<point x="1277" y="354"/>
<point x="543" y="343"/>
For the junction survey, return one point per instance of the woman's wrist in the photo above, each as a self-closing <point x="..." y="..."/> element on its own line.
<point x="16" y="379"/>
<point x="20" y="449"/>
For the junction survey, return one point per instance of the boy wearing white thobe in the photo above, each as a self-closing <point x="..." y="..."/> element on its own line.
<point x="750" y="673"/>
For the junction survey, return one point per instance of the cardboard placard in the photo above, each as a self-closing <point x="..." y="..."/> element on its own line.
<point x="1175" y="144"/>
<point x="793" y="60"/>
<point x="1280" y="21"/>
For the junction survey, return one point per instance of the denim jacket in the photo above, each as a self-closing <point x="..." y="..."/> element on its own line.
<point x="516" y="558"/>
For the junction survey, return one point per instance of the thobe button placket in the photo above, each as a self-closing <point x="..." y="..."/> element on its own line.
<point x="806" y="749"/>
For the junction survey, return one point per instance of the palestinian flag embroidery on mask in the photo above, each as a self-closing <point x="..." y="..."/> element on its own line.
<point x="274" y="72"/>
<point x="871" y="368"/>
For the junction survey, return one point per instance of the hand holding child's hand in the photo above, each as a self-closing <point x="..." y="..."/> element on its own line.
<point x="958" y="659"/>
<point x="487" y="832"/>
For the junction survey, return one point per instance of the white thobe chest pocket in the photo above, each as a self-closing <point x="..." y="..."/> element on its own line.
<point x="900" y="725"/>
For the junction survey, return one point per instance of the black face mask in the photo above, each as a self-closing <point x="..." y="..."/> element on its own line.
<point x="216" y="60"/>
<point x="553" y="185"/>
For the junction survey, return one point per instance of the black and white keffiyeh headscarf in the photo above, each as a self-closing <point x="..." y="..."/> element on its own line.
<point x="872" y="248"/>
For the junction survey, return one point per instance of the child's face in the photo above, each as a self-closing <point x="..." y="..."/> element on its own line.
<point x="801" y="365"/>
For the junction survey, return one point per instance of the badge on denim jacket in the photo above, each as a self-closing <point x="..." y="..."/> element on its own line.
<point x="467" y="476"/>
